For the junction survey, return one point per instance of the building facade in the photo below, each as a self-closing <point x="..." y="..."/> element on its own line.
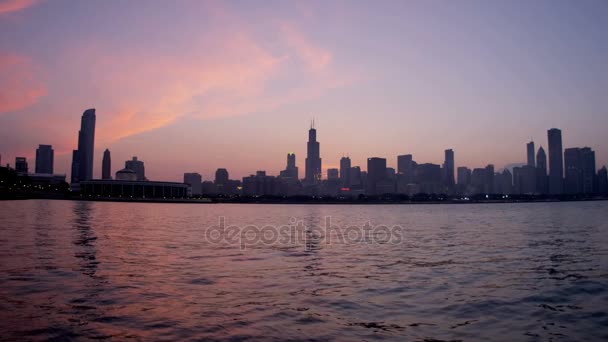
<point x="556" y="163"/>
<point x="195" y="181"/>
<point x="45" y="159"/>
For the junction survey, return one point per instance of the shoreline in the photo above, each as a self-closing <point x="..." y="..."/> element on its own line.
<point x="310" y="201"/>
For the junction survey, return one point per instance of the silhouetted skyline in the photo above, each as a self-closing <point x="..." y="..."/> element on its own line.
<point x="571" y="171"/>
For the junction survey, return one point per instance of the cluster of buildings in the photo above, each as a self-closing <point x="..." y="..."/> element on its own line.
<point x="569" y="171"/>
<point x="43" y="177"/>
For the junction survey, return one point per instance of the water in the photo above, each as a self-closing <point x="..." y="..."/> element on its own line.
<point x="504" y="272"/>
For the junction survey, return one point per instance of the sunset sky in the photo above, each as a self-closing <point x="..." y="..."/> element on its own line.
<point x="190" y="86"/>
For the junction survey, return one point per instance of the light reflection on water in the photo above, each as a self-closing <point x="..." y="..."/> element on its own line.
<point x="72" y="270"/>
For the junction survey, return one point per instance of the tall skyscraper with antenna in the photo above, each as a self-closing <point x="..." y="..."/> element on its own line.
<point x="313" y="157"/>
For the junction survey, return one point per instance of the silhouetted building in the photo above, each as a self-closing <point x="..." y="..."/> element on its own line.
<point x="333" y="174"/>
<point x="506" y="182"/>
<point x="489" y="183"/>
<point x="556" y="164"/>
<point x="44" y="159"/>
<point x="448" y="166"/>
<point x="75" y="166"/>
<point x="376" y="172"/>
<point x="86" y="147"/>
<point x="291" y="170"/>
<point x="21" y="165"/>
<point x="355" y="177"/>
<point x="332" y="185"/>
<point x="390" y="174"/>
<point x="48" y="181"/>
<point x="313" y="157"/>
<point x="580" y="170"/>
<point x="106" y="165"/>
<point x="602" y="181"/>
<point x="588" y="170"/>
<point x="122" y="188"/>
<point x="542" y="181"/>
<point x="345" y="171"/>
<point x="208" y="188"/>
<point x="464" y="179"/>
<point x="405" y="167"/>
<point x="428" y="177"/>
<point x="573" y="182"/>
<point x="261" y="185"/>
<point x="530" y="152"/>
<point x="137" y="166"/>
<point x="195" y="181"/>
<point x="223" y="185"/>
<point x="221" y="181"/>
<point x="221" y="176"/>
<point x="478" y="181"/>
<point x="126" y="175"/>
<point x="524" y="179"/>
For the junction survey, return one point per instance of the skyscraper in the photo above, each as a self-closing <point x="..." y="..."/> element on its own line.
<point x="44" y="159"/>
<point x="506" y="182"/>
<point x="376" y="173"/>
<point x="333" y="174"/>
<point x="86" y="146"/>
<point x="345" y="171"/>
<point x="602" y="181"/>
<point x="21" y="165"/>
<point x="542" y="182"/>
<point x="448" y="166"/>
<point x="136" y="166"/>
<point x="524" y="179"/>
<point x="464" y="178"/>
<point x="221" y="177"/>
<point x="195" y="181"/>
<point x="291" y="170"/>
<point x="556" y="162"/>
<point x="489" y="183"/>
<point x="588" y="170"/>
<point x="405" y="168"/>
<point x="75" y="166"/>
<point x="479" y="180"/>
<point x="530" y="150"/>
<point x="573" y="181"/>
<point x="313" y="159"/>
<point x="106" y="165"/>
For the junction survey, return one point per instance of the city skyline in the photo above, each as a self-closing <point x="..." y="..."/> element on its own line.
<point x="557" y="180"/>
<point x="572" y="171"/>
<point x="385" y="88"/>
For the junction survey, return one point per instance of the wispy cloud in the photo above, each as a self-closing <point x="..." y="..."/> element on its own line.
<point x="314" y="57"/>
<point x="19" y="85"/>
<point x="225" y="74"/>
<point x="8" y="6"/>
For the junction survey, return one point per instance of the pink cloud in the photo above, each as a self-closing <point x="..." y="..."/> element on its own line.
<point x="19" y="84"/>
<point x="8" y="6"/>
<point x="226" y="73"/>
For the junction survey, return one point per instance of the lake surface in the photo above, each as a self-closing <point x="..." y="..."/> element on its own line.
<point x="478" y="272"/>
